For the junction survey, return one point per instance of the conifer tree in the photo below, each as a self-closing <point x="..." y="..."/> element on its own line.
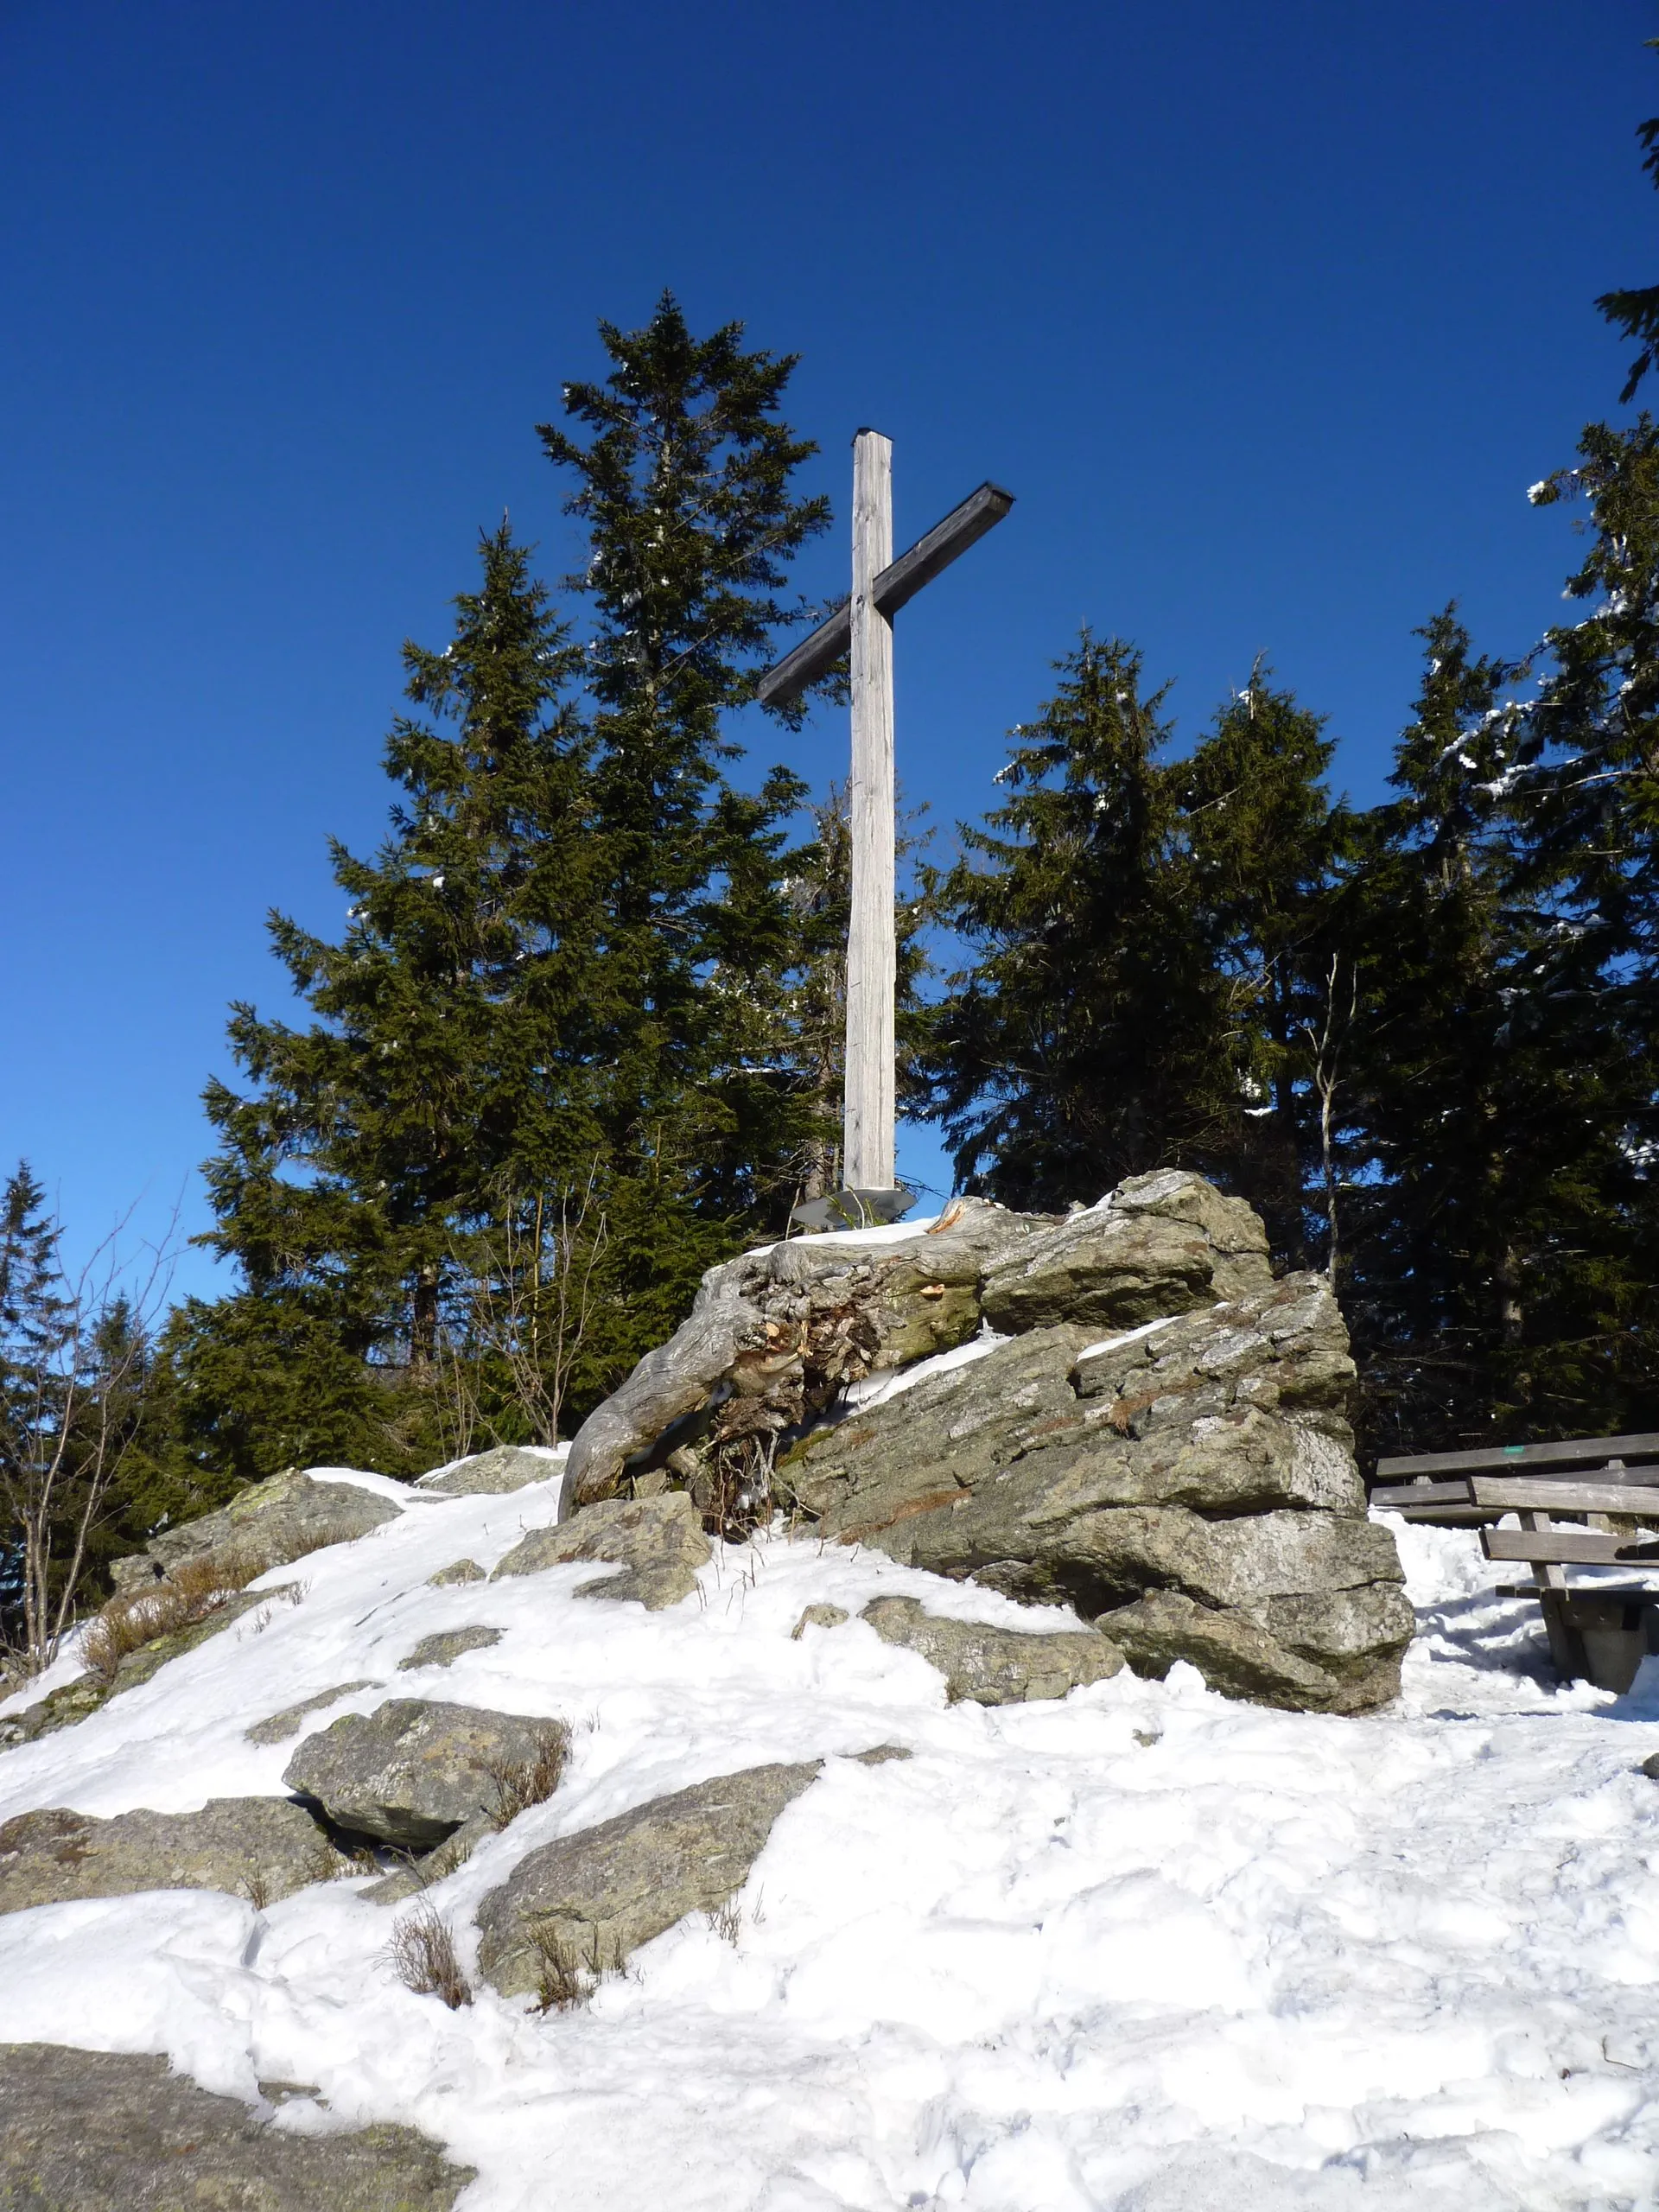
<point x="684" y="483"/>
<point x="1088" y="1041"/>
<point x="564" y="991"/>
<point x="1447" y="1084"/>
<point x="1265" y="845"/>
<point x="368" y="1138"/>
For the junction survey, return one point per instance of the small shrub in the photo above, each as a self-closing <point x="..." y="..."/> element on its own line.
<point x="520" y="1783"/>
<point x="422" y="1952"/>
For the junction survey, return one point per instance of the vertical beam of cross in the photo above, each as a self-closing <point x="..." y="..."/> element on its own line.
<point x="868" y="1158"/>
<point x="862" y="625"/>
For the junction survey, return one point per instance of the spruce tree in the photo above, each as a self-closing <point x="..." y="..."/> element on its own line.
<point x="684" y="485"/>
<point x="564" y="991"/>
<point x="1446" y="1085"/>
<point x="1265" y="848"/>
<point x="1089" y="1041"/>
<point x="368" y="1139"/>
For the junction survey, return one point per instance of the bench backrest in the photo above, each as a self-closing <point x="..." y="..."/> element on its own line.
<point x="1582" y="1452"/>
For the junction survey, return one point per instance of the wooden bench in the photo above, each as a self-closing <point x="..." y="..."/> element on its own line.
<point x="1598" y="1631"/>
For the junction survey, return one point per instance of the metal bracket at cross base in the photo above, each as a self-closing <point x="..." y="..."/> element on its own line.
<point x="855" y="1209"/>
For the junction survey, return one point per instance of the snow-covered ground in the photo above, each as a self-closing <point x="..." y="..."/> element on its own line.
<point x="1145" y="1949"/>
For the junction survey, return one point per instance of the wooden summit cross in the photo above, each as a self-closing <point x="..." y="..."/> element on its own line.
<point x="864" y="624"/>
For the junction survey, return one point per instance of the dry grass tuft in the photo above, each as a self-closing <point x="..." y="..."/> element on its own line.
<point x="422" y="1954"/>
<point x="564" y="1979"/>
<point x="195" y="1588"/>
<point x="726" y="1921"/>
<point x="520" y="1783"/>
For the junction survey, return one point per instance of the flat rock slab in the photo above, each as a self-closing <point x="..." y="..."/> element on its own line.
<point x="292" y="1718"/>
<point x="262" y="1848"/>
<point x="412" y="1771"/>
<point x="994" y="1666"/>
<point x="448" y="1645"/>
<point x="84" y="2131"/>
<point x="590" y="1899"/>
<point x="275" y="1522"/>
<point x="1161" y="1244"/>
<point x="493" y="1474"/>
<point x="659" y="1541"/>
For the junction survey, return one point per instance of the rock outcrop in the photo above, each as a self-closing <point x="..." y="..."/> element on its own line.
<point x="410" y="1772"/>
<point x="262" y="1848"/>
<point x="1149" y="1427"/>
<point x="86" y="2131"/>
<point x="505" y="1467"/>
<point x="273" y="1522"/>
<point x="587" y="1900"/>
<point x="994" y="1666"/>
<point x="774" y="1336"/>
<point x="657" y="1542"/>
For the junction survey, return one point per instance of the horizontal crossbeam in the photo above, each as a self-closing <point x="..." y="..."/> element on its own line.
<point x="898" y="583"/>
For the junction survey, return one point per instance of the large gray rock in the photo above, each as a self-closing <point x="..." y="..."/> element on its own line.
<point x="774" y="1335"/>
<point x="1206" y="1457"/>
<point x="412" y="1771"/>
<point x="505" y="1468"/>
<point x="658" y="1541"/>
<point x="258" y="1848"/>
<point x="589" y="1899"/>
<point x="994" y="1666"/>
<point x="273" y="1522"/>
<point x="1159" y="1245"/>
<point x="84" y="2131"/>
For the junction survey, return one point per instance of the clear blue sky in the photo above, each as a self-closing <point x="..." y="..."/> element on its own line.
<point x="1268" y="313"/>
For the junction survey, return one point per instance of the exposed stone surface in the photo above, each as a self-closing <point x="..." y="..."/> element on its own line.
<point x="994" y="1666"/>
<point x="505" y="1467"/>
<point x="1159" y="1245"/>
<point x="659" y="1541"/>
<point x="281" y="1725"/>
<point x="1204" y="1454"/>
<point x="1337" y="1653"/>
<point x="412" y="1771"/>
<point x="84" y="2131"/>
<point x="781" y="1331"/>
<point x="459" y="1570"/>
<point x="594" y="1898"/>
<point x="260" y="1848"/>
<point x="448" y="1645"/>
<point x="276" y="1521"/>
<point x="818" y="1617"/>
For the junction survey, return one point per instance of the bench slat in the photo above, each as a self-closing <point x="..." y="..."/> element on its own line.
<point x="1541" y="1494"/>
<point x="1557" y="1546"/>
<point x="1398" y="1495"/>
<point x="1588" y="1451"/>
